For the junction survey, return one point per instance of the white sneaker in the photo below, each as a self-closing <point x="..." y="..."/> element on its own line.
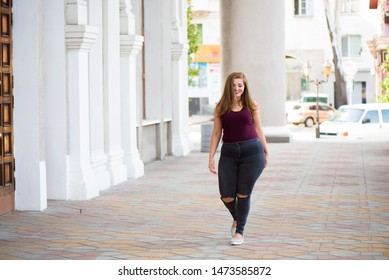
<point x="237" y="241"/>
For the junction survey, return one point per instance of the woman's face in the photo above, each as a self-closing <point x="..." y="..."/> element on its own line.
<point x="238" y="88"/>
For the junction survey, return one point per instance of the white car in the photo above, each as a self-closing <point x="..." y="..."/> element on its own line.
<point x="359" y="121"/>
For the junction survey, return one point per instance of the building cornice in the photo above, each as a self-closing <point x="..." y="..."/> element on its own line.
<point x="377" y="44"/>
<point x="179" y="50"/>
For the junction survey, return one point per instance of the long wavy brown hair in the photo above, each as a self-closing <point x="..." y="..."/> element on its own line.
<point x="227" y="100"/>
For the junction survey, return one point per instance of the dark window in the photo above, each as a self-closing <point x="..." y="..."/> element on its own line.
<point x="351" y="46"/>
<point x="296" y="107"/>
<point x="372" y="116"/>
<point x="303" y="7"/>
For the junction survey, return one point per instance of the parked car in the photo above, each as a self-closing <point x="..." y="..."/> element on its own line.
<point x="305" y="113"/>
<point x="367" y="121"/>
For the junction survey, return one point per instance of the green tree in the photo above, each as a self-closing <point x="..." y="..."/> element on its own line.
<point x="384" y="96"/>
<point x="194" y="38"/>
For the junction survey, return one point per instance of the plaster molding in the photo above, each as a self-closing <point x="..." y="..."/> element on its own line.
<point x="126" y="6"/>
<point x="377" y="44"/>
<point x="130" y="44"/>
<point x="176" y="25"/>
<point x="127" y="18"/>
<point x="179" y="50"/>
<point x="80" y="37"/>
<point x="78" y="2"/>
<point x="76" y="11"/>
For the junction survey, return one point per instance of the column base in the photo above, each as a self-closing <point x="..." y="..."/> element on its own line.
<point x="116" y="167"/>
<point x="180" y="145"/>
<point x="35" y="198"/>
<point x="277" y="134"/>
<point x="135" y="166"/>
<point x="82" y="185"/>
<point x="101" y="173"/>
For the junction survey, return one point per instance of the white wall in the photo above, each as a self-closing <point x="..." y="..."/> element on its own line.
<point x="29" y="111"/>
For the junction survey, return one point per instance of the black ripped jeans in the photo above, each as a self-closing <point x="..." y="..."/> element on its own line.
<point x="240" y="165"/>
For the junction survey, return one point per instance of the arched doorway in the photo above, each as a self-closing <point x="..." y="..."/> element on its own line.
<point x="295" y="80"/>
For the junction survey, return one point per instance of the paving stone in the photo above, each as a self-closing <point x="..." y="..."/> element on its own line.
<point x="331" y="203"/>
<point x="344" y="253"/>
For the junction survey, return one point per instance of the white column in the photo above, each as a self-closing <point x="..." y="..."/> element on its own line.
<point x="55" y="99"/>
<point x="154" y="62"/>
<point x="252" y="42"/>
<point x="112" y="102"/>
<point x="96" y="100"/>
<point x="79" y="40"/>
<point x="130" y="46"/>
<point x="179" y="50"/>
<point x="29" y="125"/>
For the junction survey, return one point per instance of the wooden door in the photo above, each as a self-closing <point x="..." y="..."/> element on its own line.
<point x="7" y="163"/>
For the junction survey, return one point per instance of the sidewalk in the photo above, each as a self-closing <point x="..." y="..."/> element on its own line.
<point x="315" y="200"/>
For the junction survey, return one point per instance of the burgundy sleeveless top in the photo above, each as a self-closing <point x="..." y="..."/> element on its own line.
<point x="238" y="126"/>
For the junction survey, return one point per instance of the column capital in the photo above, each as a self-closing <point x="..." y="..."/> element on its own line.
<point x="179" y="50"/>
<point x="80" y="37"/>
<point x="130" y="44"/>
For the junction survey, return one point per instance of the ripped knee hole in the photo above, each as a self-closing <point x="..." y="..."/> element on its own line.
<point x="228" y="199"/>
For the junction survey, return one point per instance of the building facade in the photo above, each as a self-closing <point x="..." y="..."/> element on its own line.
<point x="379" y="44"/>
<point x="99" y="88"/>
<point x="91" y="90"/>
<point x="307" y="38"/>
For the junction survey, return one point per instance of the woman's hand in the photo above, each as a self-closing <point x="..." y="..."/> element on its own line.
<point x="211" y="166"/>
<point x="266" y="159"/>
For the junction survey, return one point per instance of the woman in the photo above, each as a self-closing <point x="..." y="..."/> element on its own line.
<point x="244" y="152"/>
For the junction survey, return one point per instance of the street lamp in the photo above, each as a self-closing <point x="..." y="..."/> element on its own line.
<point x="317" y="82"/>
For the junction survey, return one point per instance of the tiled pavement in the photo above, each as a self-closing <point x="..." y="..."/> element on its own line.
<point x="315" y="200"/>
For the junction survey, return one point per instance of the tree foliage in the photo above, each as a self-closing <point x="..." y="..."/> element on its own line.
<point x="193" y="42"/>
<point x="384" y="96"/>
